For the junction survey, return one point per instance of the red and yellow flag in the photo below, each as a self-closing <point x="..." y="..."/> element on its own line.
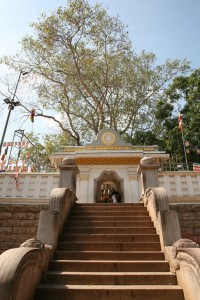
<point x="4" y="154"/>
<point x="32" y="115"/>
<point x="180" y="122"/>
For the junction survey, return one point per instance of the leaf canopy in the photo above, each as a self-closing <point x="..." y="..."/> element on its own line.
<point x="89" y="73"/>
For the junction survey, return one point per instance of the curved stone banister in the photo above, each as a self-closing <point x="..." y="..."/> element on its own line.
<point x="165" y="221"/>
<point x="51" y="222"/>
<point x="189" y="256"/>
<point x="185" y="262"/>
<point x="20" y="273"/>
<point x="156" y="201"/>
<point x="61" y="200"/>
<point x="182" y="254"/>
<point x="21" y="268"/>
<point x="159" y="196"/>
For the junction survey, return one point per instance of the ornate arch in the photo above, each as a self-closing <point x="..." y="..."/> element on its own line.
<point x="111" y="177"/>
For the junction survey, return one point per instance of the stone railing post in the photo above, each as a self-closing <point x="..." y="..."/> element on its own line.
<point x="68" y="173"/>
<point x="51" y="222"/>
<point x="148" y="170"/>
<point x="165" y="220"/>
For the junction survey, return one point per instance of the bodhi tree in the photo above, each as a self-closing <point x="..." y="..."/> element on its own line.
<point x="87" y="72"/>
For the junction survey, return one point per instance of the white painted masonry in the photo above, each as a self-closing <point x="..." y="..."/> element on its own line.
<point x="108" y="158"/>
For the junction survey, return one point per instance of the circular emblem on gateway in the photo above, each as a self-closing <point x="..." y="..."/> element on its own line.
<point x="108" y="138"/>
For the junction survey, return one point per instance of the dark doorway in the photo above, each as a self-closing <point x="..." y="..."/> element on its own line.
<point x="105" y="184"/>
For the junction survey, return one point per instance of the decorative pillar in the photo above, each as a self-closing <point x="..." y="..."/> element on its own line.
<point x="133" y="188"/>
<point x="68" y="173"/>
<point x="84" y="195"/>
<point x="148" y="170"/>
<point x="132" y="185"/>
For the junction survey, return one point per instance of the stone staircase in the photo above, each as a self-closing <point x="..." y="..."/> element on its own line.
<point x="109" y="252"/>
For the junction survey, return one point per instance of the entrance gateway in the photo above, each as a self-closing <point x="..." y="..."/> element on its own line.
<point x="104" y="165"/>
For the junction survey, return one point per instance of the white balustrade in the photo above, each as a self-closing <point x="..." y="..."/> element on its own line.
<point x="39" y="185"/>
<point x="30" y="185"/>
<point x="180" y="184"/>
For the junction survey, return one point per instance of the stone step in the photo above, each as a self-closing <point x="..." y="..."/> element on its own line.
<point x="110" y="255"/>
<point x="108" y="218"/>
<point x="110" y="237"/>
<point x="110" y="278"/>
<point x="94" y="206"/>
<point x="109" y="230"/>
<point x="109" y="224"/>
<point x="110" y="213"/>
<point x="109" y="266"/>
<point x="111" y="292"/>
<point x="112" y="208"/>
<point x="109" y="246"/>
<point x="109" y="252"/>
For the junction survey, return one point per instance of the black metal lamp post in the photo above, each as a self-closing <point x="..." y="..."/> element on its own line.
<point x="11" y="105"/>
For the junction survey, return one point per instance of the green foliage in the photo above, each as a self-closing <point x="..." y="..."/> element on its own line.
<point x="184" y="92"/>
<point x="142" y="137"/>
<point x="88" y="72"/>
<point x="186" y="88"/>
<point x="37" y="155"/>
<point x="163" y="110"/>
<point x="53" y="142"/>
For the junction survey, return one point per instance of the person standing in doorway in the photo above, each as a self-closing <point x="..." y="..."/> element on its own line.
<point x="113" y="196"/>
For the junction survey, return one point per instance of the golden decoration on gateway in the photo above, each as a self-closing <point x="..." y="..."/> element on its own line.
<point x="108" y="160"/>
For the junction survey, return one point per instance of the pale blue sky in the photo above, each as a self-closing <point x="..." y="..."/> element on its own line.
<point x="168" y="28"/>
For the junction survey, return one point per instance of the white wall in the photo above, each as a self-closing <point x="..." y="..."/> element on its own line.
<point x="31" y="185"/>
<point x="180" y="184"/>
<point x="39" y="185"/>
